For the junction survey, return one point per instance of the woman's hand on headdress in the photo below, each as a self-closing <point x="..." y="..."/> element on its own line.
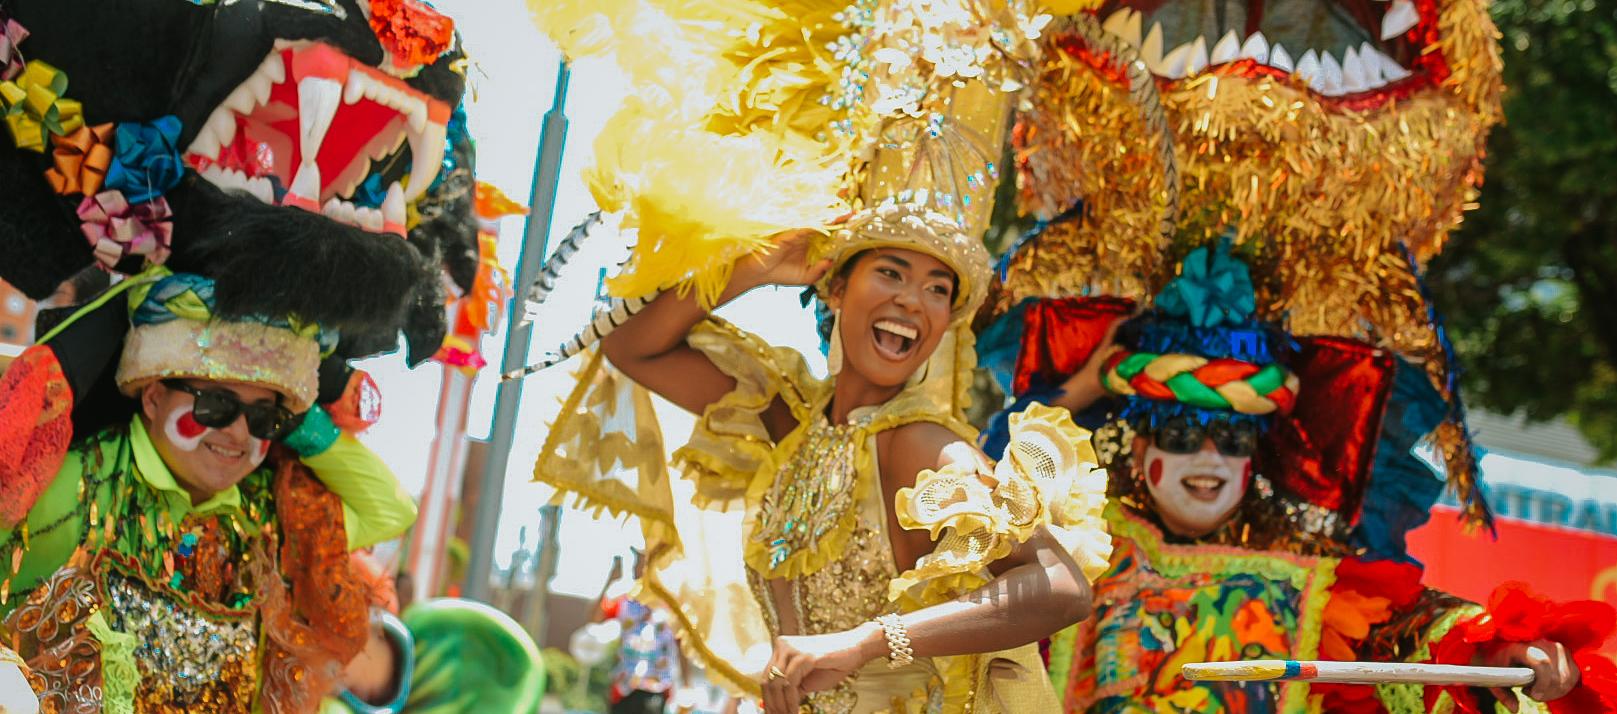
<point x="785" y="263"/>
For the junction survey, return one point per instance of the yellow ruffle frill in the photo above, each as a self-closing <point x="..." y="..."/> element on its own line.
<point x="1049" y="478"/>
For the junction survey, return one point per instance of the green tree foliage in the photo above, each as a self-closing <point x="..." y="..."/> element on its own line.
<point x="1529" y="284"/>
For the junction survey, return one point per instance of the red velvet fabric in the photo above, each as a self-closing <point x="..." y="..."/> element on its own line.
<point x="1323" y="450"/>
<point x="1059" y="335"/>
<point x="36" y="405"/>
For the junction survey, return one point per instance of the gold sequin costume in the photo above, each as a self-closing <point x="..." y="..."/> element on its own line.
<point x="816" y="554"/>
<point x="895" y="111"/>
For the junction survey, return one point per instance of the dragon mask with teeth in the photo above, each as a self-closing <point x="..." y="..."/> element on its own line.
<point x="305" y="154"/>
<point x="1337" y="141"/>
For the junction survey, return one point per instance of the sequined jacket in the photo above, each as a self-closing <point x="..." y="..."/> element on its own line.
<point x="122" y="595"/>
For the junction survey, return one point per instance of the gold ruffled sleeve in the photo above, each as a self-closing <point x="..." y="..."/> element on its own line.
<point x="729" y="441"/>
<point x="1048" y="478"/>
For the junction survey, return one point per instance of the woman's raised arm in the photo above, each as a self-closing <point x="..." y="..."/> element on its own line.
<point x="650" y="348"/>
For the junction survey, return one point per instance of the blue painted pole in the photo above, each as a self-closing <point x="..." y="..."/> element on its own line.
<point x="535" y="239"/>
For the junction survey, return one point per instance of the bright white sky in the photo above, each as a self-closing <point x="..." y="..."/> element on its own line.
<point x="513" y="79"/>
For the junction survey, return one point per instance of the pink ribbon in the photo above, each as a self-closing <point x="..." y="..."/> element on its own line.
<point x="117" y="230"/>
<point x="11" y="35"/>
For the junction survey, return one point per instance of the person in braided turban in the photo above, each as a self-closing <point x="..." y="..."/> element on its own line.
<point x="1258" y="500"/>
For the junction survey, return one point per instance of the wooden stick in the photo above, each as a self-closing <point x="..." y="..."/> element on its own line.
<point x="1358" y="673"/>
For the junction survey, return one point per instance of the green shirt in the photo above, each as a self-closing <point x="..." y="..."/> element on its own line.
<point x="119" y="471"/>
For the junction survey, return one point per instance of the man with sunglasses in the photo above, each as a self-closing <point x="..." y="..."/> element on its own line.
<point x="1238" y="459"/>
<point x="194" y="555"/>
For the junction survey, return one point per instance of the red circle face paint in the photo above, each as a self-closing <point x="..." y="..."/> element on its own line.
<point x="1155" y="472"/>
<point x="188" y="427"/>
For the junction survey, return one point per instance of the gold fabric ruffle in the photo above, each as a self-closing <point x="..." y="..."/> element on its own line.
<point x="1049" y="478"/>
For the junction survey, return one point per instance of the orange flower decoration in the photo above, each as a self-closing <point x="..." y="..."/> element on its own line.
<point x="81" y="159"/>
<point x="414" y="33"/>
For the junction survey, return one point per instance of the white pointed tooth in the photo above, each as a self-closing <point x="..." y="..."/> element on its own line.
<point x="242" y="101"/>
<point x="1390" y="68"/>
<point x="1227" y="49"/>
<point x="274" y="68"/>
<point x="1371" y="59"/>
<point x="1399" y="18"/>
<point x="318" y="98"/>
<point x="354" y="90"/>
<point x="1131" y="31"/>
<point x="1125" y="23"/>
<point x="305" y="188"/>
<point x="1280" y="59"/>
<point x="1174" y="63"/>
<point x="1115" y="23"/>
<point x="260" y="85"/>
<point x="261" y="189"/>
<point x="416" y="113"/>
<point x="205" y="144"/>
<point x="1307" y="66"/>
<point x="393" y="213"/>
<point x="1255" y="48"/>
<point x="370" y="219"/>
<point x="1197" y="61"/>
<point x="1353" y="72"/>
<point x="427" y="156"/>
<point x="1330" y="75"/>
<point x="222" y="122"/>
<point x="1151" y="49"/>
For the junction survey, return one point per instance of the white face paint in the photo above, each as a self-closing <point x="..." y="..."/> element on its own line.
<point x="187" y="435"/>
<point x="183" y="431"/>
<point x="1196" y="493"/>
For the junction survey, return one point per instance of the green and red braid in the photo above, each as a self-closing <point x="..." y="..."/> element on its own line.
<point x="1209" y="383"/>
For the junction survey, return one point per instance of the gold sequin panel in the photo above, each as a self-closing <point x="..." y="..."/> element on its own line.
<point x="811" y="493"/>
<point x="188" y="661"/>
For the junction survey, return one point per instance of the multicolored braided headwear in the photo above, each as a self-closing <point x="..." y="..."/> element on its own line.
<point x="1200" y="353"/>
<point x="175" y="332"/>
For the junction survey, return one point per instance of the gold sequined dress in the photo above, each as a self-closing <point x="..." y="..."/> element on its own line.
<point x="815" y="553"/>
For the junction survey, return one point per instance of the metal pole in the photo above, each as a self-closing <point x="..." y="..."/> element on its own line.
<point x="535" y="236"/>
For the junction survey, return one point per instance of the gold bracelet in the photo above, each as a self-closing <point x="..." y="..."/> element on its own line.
<point x="899" y="652"/>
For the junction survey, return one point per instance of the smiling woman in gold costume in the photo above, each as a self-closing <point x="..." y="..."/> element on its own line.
<point x="883" y="563"/>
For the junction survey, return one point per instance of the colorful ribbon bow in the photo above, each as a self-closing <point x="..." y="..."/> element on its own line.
<point x="147" y="163"/>
<point x="33" y="104"/>
<point x="1214" y="289"/>
<point x="117" y="230"/>
<point x="81" y="159"/>
<point x="11" y="35"/>
<point x="172" y="296"/>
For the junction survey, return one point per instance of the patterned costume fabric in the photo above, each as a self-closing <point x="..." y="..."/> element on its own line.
<point x="116" y="577"/>
<point x="648" y="655"/>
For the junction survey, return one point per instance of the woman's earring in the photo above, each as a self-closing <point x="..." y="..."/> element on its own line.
<point x="833" y="358"/>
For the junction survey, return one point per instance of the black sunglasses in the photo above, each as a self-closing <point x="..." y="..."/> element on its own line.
<point x="1183" y="435"/>
<point x="217" y="409"/>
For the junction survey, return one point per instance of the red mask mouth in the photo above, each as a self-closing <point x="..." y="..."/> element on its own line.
<point x="312" y="124"/>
